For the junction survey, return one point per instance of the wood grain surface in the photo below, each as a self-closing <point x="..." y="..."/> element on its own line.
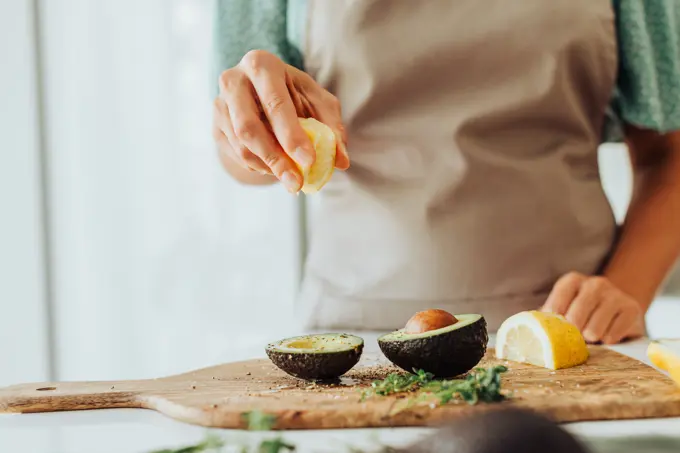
<point x="609" y="387"/>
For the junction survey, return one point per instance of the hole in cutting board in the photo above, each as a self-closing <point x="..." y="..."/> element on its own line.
<point x="45" y="389"/>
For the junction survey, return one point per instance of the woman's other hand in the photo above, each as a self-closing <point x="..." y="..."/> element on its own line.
<point x="255" y="120"/>
<point x="600" y="310"/>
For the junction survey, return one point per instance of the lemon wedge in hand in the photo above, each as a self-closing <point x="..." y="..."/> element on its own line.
<point x="323" y="139"/>
<point x="665" y="354"/>
<point x="542" y="339"/>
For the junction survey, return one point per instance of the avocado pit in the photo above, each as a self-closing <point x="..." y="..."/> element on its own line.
<point x="425" y="321"/>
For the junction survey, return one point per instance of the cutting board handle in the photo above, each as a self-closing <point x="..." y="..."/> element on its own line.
<point x="70" y="396"/>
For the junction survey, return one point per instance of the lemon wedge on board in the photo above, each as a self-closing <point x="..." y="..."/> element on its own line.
<point x="665" y="354"/>
<point x="542" y="339"/>
<point x="323" y="139"/>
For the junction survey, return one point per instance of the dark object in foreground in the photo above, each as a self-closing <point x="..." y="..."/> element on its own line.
<point x="317" y="357"/>
<point x="499" y="431"/>
<point x="446" y="352"/>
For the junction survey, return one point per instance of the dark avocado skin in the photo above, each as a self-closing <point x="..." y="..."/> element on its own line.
<point x="445" y="355"/>
<point x="499" y="431"/>
<point x="316" y="366"/>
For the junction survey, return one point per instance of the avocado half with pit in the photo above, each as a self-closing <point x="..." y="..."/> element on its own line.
<point x="447" y="351"/>
<point x="317" y="357"/>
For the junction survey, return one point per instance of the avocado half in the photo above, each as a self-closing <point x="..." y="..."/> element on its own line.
<point x="317" y="357"/>
<point x="446" y="352"/>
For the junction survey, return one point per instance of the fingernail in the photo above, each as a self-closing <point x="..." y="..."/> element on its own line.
<point x="341" y="143"/>
<point x="290" y="182"/>
<point x="303" y="157"/>
<point x="343" y="150"/>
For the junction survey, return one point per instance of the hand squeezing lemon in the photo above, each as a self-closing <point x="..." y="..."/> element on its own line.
<point x="324" y="141"/>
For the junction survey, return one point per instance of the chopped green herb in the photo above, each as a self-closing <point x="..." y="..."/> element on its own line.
<point x="211" y="443"/>
<point x="398" y="383"/>
<point x="276" y="445"/>
<point x="480" y="385"/>
<point x="259" y="421"/>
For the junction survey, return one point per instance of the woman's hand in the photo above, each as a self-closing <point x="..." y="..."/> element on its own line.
<point x="597" y="307"/>
<point x="255" y="119"/>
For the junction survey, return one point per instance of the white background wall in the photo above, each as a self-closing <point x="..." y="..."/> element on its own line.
<point x="160" y="262"/>
<point x="157" y="261"/>
<point x="23" y="320"/>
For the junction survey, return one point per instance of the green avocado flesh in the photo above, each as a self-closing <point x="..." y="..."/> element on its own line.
<point x="316" y="357"/>
<point x="446" y="352"/>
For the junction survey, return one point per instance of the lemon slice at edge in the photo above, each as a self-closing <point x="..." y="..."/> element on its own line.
<point x="665" y="354"/>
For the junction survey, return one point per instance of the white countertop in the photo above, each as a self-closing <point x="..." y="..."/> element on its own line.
<point x="140" y="431"/>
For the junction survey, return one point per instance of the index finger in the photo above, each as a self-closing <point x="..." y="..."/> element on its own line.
<point x="563" y="293"/>
<point x="268" y="77"/>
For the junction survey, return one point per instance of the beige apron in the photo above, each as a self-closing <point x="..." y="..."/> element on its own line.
<point x="473" y="131"/>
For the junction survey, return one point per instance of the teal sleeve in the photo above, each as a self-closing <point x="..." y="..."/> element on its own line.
<point x="648" y="85"/>
<point x="244" y="25"/>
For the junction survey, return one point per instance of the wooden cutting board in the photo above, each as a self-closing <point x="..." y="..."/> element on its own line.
<point x="609" y="387"/>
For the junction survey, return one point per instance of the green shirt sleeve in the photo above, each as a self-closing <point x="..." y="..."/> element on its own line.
<point x="648" y="86"/>
<point x="244" y="25"/>
<point x="647" y="92"/>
